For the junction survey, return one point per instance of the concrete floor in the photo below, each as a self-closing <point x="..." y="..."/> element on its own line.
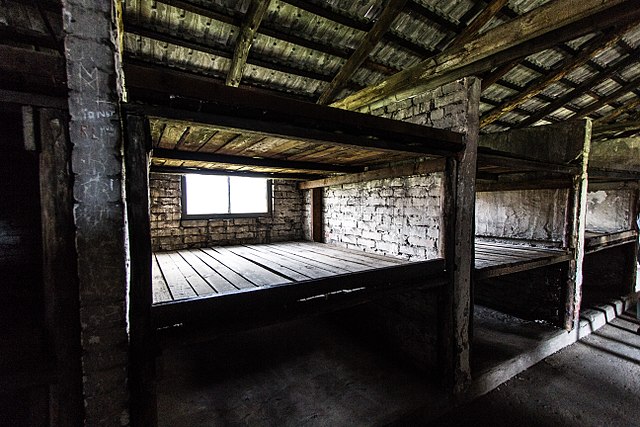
<point x="312" y="372"/>
<point x="594" y="382"/>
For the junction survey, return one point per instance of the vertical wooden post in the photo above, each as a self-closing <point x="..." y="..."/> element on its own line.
<point x="317" y="231"/>
<point x="141" y="332"/>
<point x="576" y="228"/>
<point x="635" y="247"/>
<point x="460" y="199"/>
<point x="59" y="267"/>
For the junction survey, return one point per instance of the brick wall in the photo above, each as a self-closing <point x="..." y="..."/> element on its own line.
<point x="398" y="217"/>
<point x="170" y="232"/>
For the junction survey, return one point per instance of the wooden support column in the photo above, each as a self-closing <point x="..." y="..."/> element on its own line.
<point x="317" y="223"/>
<point x="141" y="331"/>
<point x="634" y="256"/>
<point x="575" y="229"/>
<point x="459" y="223"/>
<point x="59" y="267"/>
<point x="93" y="67"/>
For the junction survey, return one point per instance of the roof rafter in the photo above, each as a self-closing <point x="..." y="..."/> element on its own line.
<point x="625" y="108"/>
<point x="548" y="25"/>
<point x="592" y="108"/>
<point x="474" y="27"/>
<point x="250" y="24"/>
<point x="594" y="47"/>
<point x="366" y="45"/>
<point x="578" y="91"/>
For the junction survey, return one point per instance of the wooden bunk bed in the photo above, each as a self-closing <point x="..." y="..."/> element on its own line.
<point x="200" y="293"/>
<point x="611" y="237"/>
<point x="531" y="186"/>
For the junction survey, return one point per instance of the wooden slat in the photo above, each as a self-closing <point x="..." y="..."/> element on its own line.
<point x="299" y="264"/>
<point x="328" y="266"/>
<point x="339" y="257"/>
<point x="161" y="292"/>
<point x="177" y="283"/>
<point x="271" y="262"/>
<point x="215" y="280"/>
<point x="250" y="271"/>
<point x="199" y="285"/>
<point x="234" y="278"/>
<point x="598" y="241"/>
<point x="337" y="252"/>
<point x="334" y="262"/>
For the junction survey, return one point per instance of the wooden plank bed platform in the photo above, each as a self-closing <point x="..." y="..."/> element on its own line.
<point x="498" y="258"/>
<point x="596" y="241"/>
<point x="245" y="283"/>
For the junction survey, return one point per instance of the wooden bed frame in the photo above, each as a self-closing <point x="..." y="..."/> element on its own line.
<point x="538" y="158"/>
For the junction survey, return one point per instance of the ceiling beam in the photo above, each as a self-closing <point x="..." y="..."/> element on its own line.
<point x="626" y="107"/>
<point x="197" y="156"/>
<point x="543" y="27"/>
<point x="579" y="90"/>
<point x="250" y="24"/>
<point x="474" y="27"/>
<point x="366" y="45"/>
<point x="409" y="169"/>
<point x="600" y="130"/>
<point x="593" y="48"/>
<point x="202" y="171"/>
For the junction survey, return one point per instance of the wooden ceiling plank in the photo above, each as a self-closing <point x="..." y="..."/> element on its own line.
<point x="256" y="11"/>
<point x="474" y="27"/>
<point x="543" y="27"/>
<point x="366" y="45"/>
<point x="579" y="90"/>
<point x="250" y="161"/>
<point x="594" y="47"/>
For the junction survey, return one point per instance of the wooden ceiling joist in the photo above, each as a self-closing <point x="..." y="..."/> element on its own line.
<point x="617" y="127"/>
<point x="579" y="90"/>
<point x="594" y="47"/>
<point x="185" y="97"/>
<point x="251" y="161"/>
<point x="544" y="27"/>
<point x="250" y="24"/>
<point x="366" y="45"/>
<point x="624" y="109"/>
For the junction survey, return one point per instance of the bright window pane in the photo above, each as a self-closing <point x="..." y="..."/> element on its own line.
<point x="248" y="195"/>
<point x="207" y="194"/>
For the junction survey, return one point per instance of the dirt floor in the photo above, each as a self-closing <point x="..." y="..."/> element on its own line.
<point x="594" y="382"/>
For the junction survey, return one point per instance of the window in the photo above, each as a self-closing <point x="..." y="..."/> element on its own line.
<point x="207" y="196"/>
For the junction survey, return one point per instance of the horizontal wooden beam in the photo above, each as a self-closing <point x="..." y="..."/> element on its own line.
<point x="539" y="29"/>
<point x="516" y="267"/>
<point x="201" y="171"/>
<point x="592" y="108"/>
<point x="599" y="130"/>
<point x="519" y="164"/>
<point x="613" y="185"/>
<point x="597" y="243"/>
<point x="251" y="161"/>
<point x="417" y="168"/>
<point x="198" y="99"/>
<point x="613" y="174"/>
<point x="34" y="99"/>
<point x="522" y="184"/>
<point x="262" y="304"/>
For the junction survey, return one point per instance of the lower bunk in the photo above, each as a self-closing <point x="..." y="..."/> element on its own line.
<point x="609" y="266"/>
<point x="522" y="278"/>
<point x="225" y="289"/>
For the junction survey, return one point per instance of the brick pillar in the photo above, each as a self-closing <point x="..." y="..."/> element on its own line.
<point x="95" y="132"/>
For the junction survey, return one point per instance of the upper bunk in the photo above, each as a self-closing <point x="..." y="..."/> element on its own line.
<point x="194" y="126"/>
<point x="612" y="200"/>
<point x="197" y="125"/>
<point x="525" y="196"/>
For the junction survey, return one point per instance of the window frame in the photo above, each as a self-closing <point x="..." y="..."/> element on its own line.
<point x="186" y="216"/>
